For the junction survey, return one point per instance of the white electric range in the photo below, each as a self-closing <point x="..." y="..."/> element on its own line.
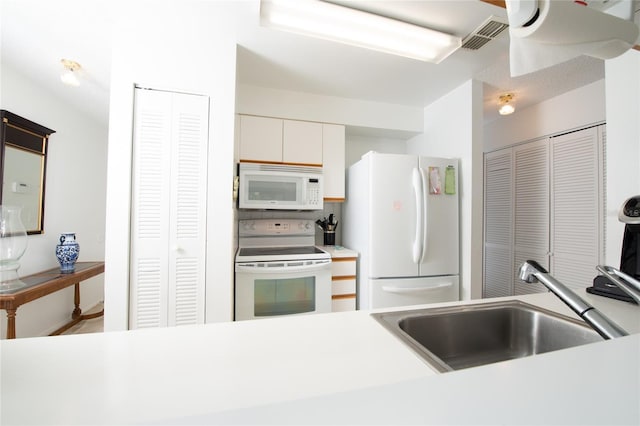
<point x="279" y="271"/>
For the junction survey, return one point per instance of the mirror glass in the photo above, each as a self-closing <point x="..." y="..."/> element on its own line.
<point x="22" y="184"/>
<point x="23" y="161"/>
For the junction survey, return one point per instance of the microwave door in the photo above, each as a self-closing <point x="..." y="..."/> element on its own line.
<point x="268" y="191"/>
<point x="280" y="187"/>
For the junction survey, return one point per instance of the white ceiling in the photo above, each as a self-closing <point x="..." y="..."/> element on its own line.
<point x="36" y="34"/>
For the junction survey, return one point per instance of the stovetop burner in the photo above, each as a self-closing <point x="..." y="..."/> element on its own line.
<point x="278" y="251"/>
<point x="272" y="240"/>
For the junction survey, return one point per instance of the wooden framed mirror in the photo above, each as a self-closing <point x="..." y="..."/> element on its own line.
<point x="23" y="165"/>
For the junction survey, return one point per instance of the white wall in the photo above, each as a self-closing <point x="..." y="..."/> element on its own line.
<point x="74" y="201"/>
<point x="357" y="146"/>
<point x="623" y="144"/>
<point x="453" y="128"/>
<point x="328" y="109"/>
<point x="190" y="47"/>
<point x="577" y="108"/>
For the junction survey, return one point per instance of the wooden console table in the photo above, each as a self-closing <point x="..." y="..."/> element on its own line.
<point x="47" y="282"/>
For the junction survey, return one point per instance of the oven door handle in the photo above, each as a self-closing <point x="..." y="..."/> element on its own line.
<point x="282" y="267"/>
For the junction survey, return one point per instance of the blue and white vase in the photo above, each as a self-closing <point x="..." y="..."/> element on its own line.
<point x="67" y="252"/>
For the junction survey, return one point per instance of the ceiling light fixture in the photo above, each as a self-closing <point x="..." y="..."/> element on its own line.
<point x="69" y="73"/>
<point x="506" y="107"/>
<point x="345" y="25"/>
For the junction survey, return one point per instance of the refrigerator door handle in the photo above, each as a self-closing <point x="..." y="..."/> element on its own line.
<point x="417" y="180"/>
<point x="425" y="213"/>
<point x="410" y="290"/>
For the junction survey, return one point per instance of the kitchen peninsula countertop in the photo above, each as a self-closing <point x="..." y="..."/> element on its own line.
<point x="321" y="369"/>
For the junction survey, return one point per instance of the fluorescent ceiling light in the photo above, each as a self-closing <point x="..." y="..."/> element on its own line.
<point x="342" y="24"/>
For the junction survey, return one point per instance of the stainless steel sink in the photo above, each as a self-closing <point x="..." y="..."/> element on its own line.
<point x="453" y="338"/>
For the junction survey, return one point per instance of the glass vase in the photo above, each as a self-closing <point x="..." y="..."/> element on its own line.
<point x="13" y="243"/>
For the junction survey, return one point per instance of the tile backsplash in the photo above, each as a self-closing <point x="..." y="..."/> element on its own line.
<point x="329" y="208"/>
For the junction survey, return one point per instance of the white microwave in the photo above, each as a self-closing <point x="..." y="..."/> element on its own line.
<point x="280" y="187"/>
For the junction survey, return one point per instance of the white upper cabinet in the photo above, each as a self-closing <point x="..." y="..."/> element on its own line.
<point x="333" y="161"/>
<point x="277" y="140"/>
<point x="302" y="142"/>
<point x="274" y="140"/>
<point x="260" y="139"/>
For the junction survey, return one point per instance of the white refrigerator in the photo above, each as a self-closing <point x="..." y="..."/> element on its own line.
<point x="401" y="215"/>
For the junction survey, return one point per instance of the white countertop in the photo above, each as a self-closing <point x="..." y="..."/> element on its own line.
<point x="328" y="368"/>
<point x="339" y="251"/>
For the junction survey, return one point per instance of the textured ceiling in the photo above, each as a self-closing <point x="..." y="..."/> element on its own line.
<point x="535" y="87"/>
<point x="36" y="34"/>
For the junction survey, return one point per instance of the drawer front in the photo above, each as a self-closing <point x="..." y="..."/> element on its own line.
<point x="343" y="268"/>
<point x="343" y="304"/>
<point x="347" y="286"/>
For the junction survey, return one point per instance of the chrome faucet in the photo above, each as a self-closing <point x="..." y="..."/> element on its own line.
<point x="532" y="272"/>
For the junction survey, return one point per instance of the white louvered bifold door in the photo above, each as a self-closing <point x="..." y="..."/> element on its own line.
<point x="168" y="227"/>
<point x="149" y="217"/>
<point x="498" y="227"/>
<point x="187" y="224"/>
<point x="531" y="207"/>
<point x="576" y="207"/>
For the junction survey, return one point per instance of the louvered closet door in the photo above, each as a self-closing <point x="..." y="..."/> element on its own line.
<point x="576" y="207"/>
<point x="168" y="209"/>
<point x="187" y="223"/>
<point x="149" y="217"/>
<point x="531" y="208"/>
<point x="498" y="232"/>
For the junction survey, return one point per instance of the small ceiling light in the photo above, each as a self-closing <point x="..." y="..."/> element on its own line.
<point x="354" y="27"/>
<point x="506" y="107"/>
<point x="69" y="74"/>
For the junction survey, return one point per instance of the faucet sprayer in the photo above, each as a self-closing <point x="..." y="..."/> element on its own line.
<point x="625" y="282"/>
<point x="532" y="272"/>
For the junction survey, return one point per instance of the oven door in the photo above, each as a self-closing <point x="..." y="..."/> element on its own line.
<point x="277" y="288"/>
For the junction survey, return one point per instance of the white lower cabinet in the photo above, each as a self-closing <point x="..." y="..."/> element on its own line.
<point x="168" y="209"/>
<point x="343" y="278"/>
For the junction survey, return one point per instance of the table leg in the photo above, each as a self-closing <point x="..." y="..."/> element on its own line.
<point x="76" y="315"/>
<point x="76" y="300"/>
<point x="11" y="323"/>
